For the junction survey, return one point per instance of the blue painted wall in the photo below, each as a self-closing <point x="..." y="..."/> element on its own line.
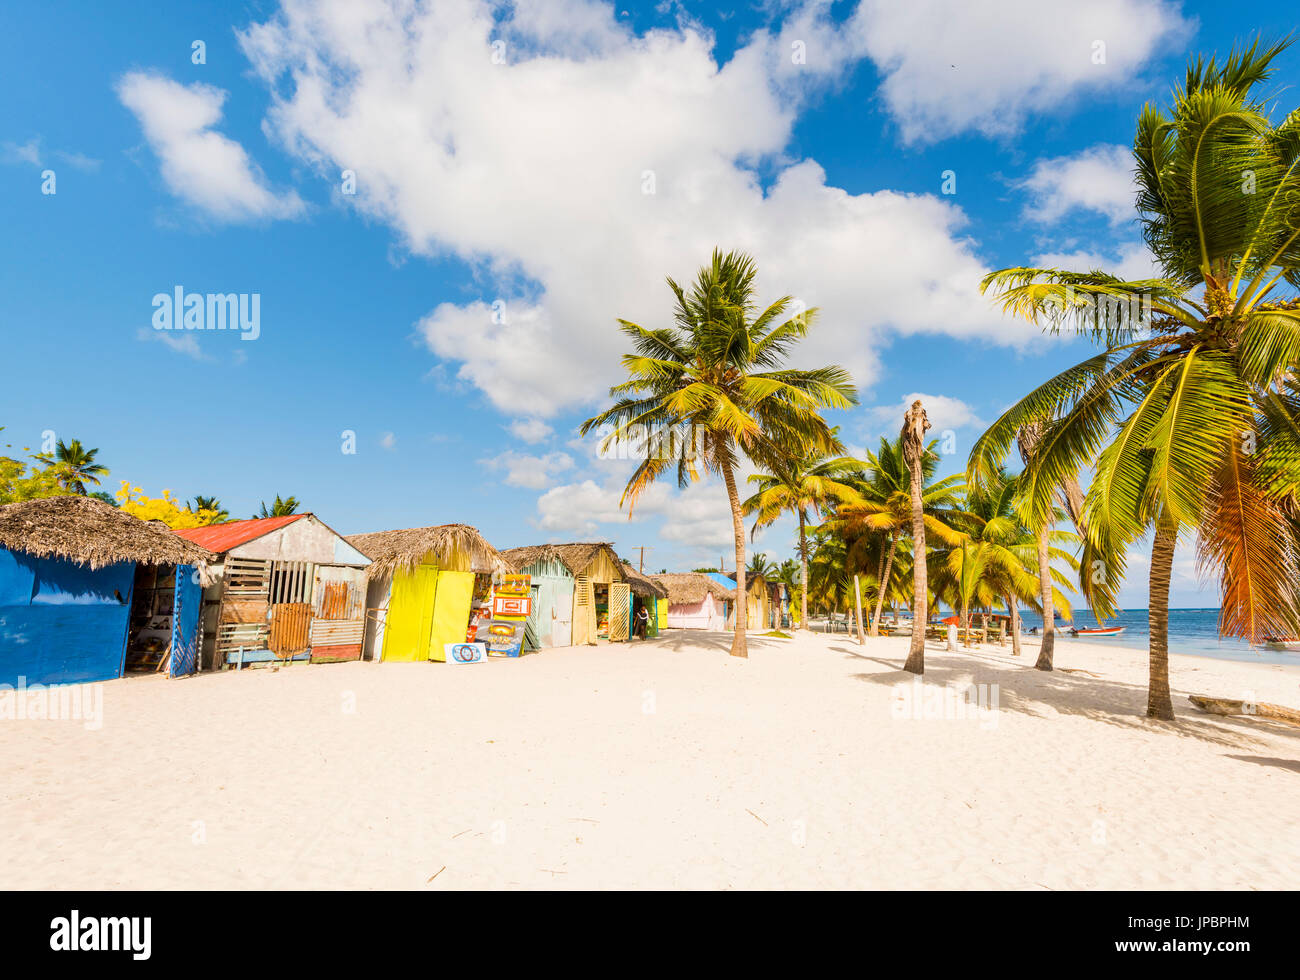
<point x="60" y="622"/>
<point x="728" y="582"/>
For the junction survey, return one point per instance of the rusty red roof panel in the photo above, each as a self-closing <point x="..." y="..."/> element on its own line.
<point x="223" y="537"/>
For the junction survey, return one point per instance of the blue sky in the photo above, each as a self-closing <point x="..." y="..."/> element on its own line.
<point x="505" y="155"/>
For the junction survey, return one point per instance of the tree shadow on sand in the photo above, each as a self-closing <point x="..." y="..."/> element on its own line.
<point x="681" y="640"/>
<point x="1261" y="760"/>
<point x="1039" y="693"/>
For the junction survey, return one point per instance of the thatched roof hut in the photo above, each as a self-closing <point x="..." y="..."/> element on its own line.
<point x="577" y="558"/>
<point x="691" y="587"/>
<point x="90" y="532"/>
<point x="453" y="545"/>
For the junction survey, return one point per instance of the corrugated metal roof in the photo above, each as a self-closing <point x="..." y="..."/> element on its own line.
<point x="222" y="537"/>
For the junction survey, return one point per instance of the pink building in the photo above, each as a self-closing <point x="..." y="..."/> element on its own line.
<point x="696" y="601"/>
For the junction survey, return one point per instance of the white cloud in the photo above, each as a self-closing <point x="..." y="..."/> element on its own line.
<point x="534" y="171"/>
<point x="951" y="67"/>
<point x="200" y="165"/>
<point x="700" y="517"/>
<point x="530" y="431"/>
<point x="1099" y="179"/>
<point x="184" y="342"/>
<point x="1130" y="261"/>
<point x="533" y="472"/>
<point x="78" y="161"/>
<point x="580" y="508"/>
<point x="942" y="411"/>
<point x="388" y="441"/>
<point x="29" y="152"/>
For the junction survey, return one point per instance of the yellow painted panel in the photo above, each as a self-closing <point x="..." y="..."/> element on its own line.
<point x="410" y="604"/>
<point x="451" y="608"/>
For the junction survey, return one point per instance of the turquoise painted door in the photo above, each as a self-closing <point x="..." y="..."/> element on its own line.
<point x="552" y="617"/>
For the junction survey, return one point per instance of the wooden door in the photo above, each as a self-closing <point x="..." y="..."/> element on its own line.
<point x="620" y="611"/>
<point x="562" y="616"/>
<point x="584" y="611"/>
<point x="449" y="612"/>
<point x="290" y="628"/>
<point x="409" y="622"/>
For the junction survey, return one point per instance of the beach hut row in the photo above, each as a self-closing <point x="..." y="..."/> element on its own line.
<point x="583" y="592"/>
<point x="89" y="593"/>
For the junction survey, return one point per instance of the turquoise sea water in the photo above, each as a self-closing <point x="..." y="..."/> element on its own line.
<point x="1193" y="631"/>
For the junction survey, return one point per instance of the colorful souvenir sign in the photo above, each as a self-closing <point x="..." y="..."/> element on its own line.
<point x="507" y="607"/>
<point x="505" y="638"/>
<point x="513" y="585"/>
<point x="465" y="653"/>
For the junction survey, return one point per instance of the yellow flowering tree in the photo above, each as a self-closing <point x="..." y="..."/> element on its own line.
<point x="18" y="482"/>
<point x="166" y="508"/>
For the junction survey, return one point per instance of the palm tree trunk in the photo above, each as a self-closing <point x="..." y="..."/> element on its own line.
<point x="883" y="584"/>
<point x="915" y="424"/>
<point x="1013" y="607"/>
<point x="803" y="572"/>
<point x="738" y="646"/>
<point x="1159" y="703"/>
<point x="1045" y="651"/>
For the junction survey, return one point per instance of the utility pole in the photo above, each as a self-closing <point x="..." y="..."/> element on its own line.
<point x="641" y="563"/>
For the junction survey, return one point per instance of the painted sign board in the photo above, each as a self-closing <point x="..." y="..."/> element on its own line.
<point x="508" y="607"/>
<point x="465" y="653"/>
<point x="513" y="585"/>
<point x="505" y="638"/>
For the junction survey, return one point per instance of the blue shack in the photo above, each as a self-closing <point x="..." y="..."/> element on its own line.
<point x="83" y="586"/>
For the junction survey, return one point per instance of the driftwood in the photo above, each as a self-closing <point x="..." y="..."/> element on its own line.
<point x="1226" y="706"/>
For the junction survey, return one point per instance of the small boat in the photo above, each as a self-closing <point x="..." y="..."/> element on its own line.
<point x="1283" y="644"/>
<point x="1099" y="631"/>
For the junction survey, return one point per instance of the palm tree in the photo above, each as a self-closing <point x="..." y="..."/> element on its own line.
<point x="713" y="389"/>
<point x="804" y="486"/>
<point x="760" y="565"/>
<point x="1190" y="412"/>
<point x="883" y="509"/>
<point x="788" y="573"/>
<point x="1028" y="438"/>
<point x="829" y="578"/>
<point x="912" y="437"/>
<point x="74" y="465"/>
<point x="212" y="503"/>
<point x="992" y="562"/>
<point x="281" y="508"/>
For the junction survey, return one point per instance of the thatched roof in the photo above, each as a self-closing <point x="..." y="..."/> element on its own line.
<point x="643" y="584"/>
<point x="404" y="549"/>
<point x="576" y="558"/>
<point x="691" y="587"/>
<point x="91" y="532"/>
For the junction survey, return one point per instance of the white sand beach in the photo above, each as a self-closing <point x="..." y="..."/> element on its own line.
<point x="662" y="764"/>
